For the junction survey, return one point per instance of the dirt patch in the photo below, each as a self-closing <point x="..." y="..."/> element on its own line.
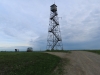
<point x="81" y="63"/>
<point x="60" y="54"/>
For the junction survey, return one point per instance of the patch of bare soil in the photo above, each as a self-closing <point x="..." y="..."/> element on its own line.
<point x="81" y="63"/>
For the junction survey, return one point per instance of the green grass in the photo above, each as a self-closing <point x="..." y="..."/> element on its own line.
<point x="60" y="68"/>
<point x="68" y="51"/>
<point x="94" y="51"/>
<point x="24" y="63"/>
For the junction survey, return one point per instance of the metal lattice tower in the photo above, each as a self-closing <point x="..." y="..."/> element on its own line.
<point x="54" y="41"/>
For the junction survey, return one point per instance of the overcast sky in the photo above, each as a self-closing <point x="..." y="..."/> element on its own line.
<point x="24" y="23"/>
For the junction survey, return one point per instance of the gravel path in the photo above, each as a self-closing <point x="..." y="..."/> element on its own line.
<point x="81" y="63"/>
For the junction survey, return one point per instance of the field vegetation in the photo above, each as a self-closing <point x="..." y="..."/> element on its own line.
<point x="95" y="51"/>
<point x="67" y="51"/>
<point x="27" y="63"/>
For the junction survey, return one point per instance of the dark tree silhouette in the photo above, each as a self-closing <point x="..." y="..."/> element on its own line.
<point x="29" y="49"/>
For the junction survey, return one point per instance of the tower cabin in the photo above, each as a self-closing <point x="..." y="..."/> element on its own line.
<point x="53" y="8"/>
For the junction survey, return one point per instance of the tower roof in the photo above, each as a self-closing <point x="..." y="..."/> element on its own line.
<point x="53" y="5"/>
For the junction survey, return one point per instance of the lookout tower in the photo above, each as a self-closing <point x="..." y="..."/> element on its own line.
<point x="54" y="40"/>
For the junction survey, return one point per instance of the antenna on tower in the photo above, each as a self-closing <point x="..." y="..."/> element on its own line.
<point x="54" y="1"/>
<point x="60" y="17"/>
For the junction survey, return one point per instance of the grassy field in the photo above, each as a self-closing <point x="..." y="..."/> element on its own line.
<point x="27" y="63"/>
<point x="94" y="51"/>
<point x="67" y="51"/>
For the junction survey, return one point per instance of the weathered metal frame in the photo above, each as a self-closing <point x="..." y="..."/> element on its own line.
<point x="54" y="40"/>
